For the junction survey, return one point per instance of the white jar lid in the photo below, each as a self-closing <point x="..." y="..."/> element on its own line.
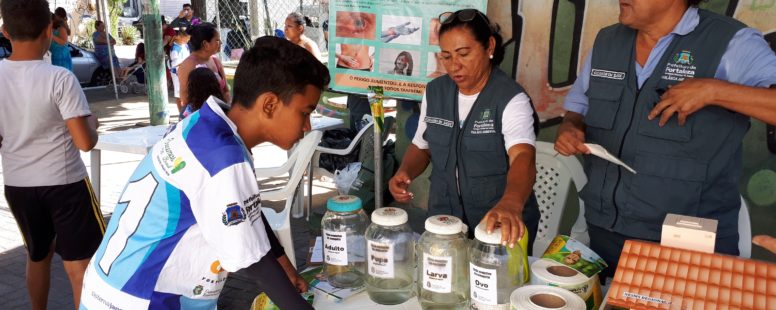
<point x="481" y="233"/>
<point x="444" y="225"/>
<point x="389" y="216"/>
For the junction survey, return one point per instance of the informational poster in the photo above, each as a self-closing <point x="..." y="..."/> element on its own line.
<point x="388" y="43"/>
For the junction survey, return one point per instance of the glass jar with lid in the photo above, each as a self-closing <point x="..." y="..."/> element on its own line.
<point x="443" y="280"/>
<point x="494" y="270"/>
<point x="390" y="257"/>
<point x="344" y="246"/>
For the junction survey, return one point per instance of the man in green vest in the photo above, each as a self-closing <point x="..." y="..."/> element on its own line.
<point x="670" y="91"/>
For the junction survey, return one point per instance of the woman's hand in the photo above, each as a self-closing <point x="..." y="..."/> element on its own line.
<point x="348" y="61"/>
<point x="399" y="185"/>
<point x="293" y="276"/>
<point x="509" y="216"/>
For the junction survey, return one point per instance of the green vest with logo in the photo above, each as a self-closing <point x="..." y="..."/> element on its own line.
<point x="690" y="170"/>
<point x="475" y="149"/>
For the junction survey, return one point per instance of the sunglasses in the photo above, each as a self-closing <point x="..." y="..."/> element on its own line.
<point x="465" y="15"/>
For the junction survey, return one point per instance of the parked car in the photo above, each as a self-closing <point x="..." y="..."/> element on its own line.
<point x="85" y="65"/>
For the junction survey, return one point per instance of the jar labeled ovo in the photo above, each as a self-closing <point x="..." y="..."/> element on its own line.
<point x="494" y="272"/>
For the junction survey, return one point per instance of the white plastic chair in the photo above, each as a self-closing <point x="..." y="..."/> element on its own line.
<point x="295" y="166"/>
<point x="554" y="176"/>
<point x="744" y="231"/>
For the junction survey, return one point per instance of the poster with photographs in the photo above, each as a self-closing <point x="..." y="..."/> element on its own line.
<point x="388" y="43"/>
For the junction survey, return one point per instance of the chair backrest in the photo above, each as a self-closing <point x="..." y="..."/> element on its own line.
<point x="554" y="176"/>
<point x="744" y="231"/>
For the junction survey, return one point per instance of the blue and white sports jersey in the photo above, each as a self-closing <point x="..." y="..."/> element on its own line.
<point x="189" y="214"/>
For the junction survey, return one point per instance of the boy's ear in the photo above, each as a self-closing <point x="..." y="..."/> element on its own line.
<point x="5" y="33"/>
<point x="269" y="103"/>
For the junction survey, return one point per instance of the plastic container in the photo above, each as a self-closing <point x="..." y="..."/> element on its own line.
<point x="443" y="280"/>
<point x="494" y="271"/>
<point x="390" y="257"/>
<point x="344" y="246"/>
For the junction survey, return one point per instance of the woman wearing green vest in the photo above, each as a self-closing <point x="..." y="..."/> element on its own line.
<point x="477" y="129"/>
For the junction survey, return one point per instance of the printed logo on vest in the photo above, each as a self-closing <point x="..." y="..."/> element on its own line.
<point x="438" y="121"/>
<point x="233" y="215"/>
<point x="612" y="75"/>
<point x="681" y="68"/>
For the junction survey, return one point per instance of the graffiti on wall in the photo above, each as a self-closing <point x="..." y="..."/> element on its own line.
<point x="547" y="40"/>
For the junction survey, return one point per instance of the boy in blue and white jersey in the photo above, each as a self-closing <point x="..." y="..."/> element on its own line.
<point x="191" y="210"/>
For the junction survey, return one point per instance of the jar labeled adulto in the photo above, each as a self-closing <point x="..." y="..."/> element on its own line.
<point x="344" y="246"/>
<point x="390" y="257"/>
<point x="443" y="282"/>
<point x="494" y="270"/>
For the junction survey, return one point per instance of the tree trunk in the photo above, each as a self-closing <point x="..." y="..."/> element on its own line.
<point x="200" y="9"/>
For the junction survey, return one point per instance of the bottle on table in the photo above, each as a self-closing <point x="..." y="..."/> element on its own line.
<point x="344" y="246"/>
<point x="494" y="270"/>
<point x="390" y="257"/>
<point x="443" y="280"/>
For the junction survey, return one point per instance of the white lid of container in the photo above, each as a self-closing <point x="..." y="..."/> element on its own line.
<point x="389" y="216"/>
<point x="444" y="225"/>
<point x="481" y="233"/>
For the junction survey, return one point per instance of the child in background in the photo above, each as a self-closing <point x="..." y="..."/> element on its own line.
<point x="202" y="85"/>
<point x="178" y="53"/>
<point x="44" y="121"/>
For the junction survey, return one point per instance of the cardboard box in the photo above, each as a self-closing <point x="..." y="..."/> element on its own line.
<point x="687" y="232"/>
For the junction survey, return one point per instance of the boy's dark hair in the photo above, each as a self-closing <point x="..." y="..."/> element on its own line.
<point x="187" y="5"/>
<point x="25" y="20"/>
<point x="60" y="12"/>
<point x="279" y="66"/>
<point x="98" y="23"/>
<point x="202" y="85"/>
<point x="694" y="2"/>
<point x="201" y="33"/>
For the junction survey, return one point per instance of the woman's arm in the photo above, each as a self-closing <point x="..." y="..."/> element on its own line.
<point x="520" y="180"/>
<point x="413" y="164"/>
<point x="61" y="39"/>
<point x="227" y="94"/>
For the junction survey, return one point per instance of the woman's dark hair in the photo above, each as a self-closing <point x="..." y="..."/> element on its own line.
<point x="278" y="66"/>
<point x="407" y="71"/>
<point x="201" y="33"/>
<point x="25" y="20"/>
<point x="56" y="22"/>
<point x="694" y="2"/>
<point x="202" y="85"/>
<point x="97" y="24"/>
<point x="60" y="11"/>
<point x="300" y="19"/>
<point x="140" y="51"/>
<point x="481" y="28"/>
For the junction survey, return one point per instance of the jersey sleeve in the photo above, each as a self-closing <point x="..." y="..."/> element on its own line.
<point x="228" y="212"/>
<point x="69" y="97"/>
<point x="517" y="123"/>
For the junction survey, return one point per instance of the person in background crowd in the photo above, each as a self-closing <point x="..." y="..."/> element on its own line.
<point x="200" y="213"/>
<point x="205" y="44"/>
<point x="670" y="91"/>
<point x="44" y="122"/>
<point x="186" y="18"/>
<point x="294" y="31"/>
<point x="477" y="128"/>
<point x="202" y="85"/>
<point x="178" y="53"/>
<point x="62" y="15"/>
<point x="102" y="43"/>
<point x="60" y="51"/>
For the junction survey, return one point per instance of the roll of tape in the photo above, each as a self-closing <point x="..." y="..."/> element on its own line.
<point x="538" y="297"/>
<point x="551" y="273"/>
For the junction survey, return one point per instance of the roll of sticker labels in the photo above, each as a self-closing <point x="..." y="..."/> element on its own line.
<point x="540" y="297"/>
<point x="571" y="265"/>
